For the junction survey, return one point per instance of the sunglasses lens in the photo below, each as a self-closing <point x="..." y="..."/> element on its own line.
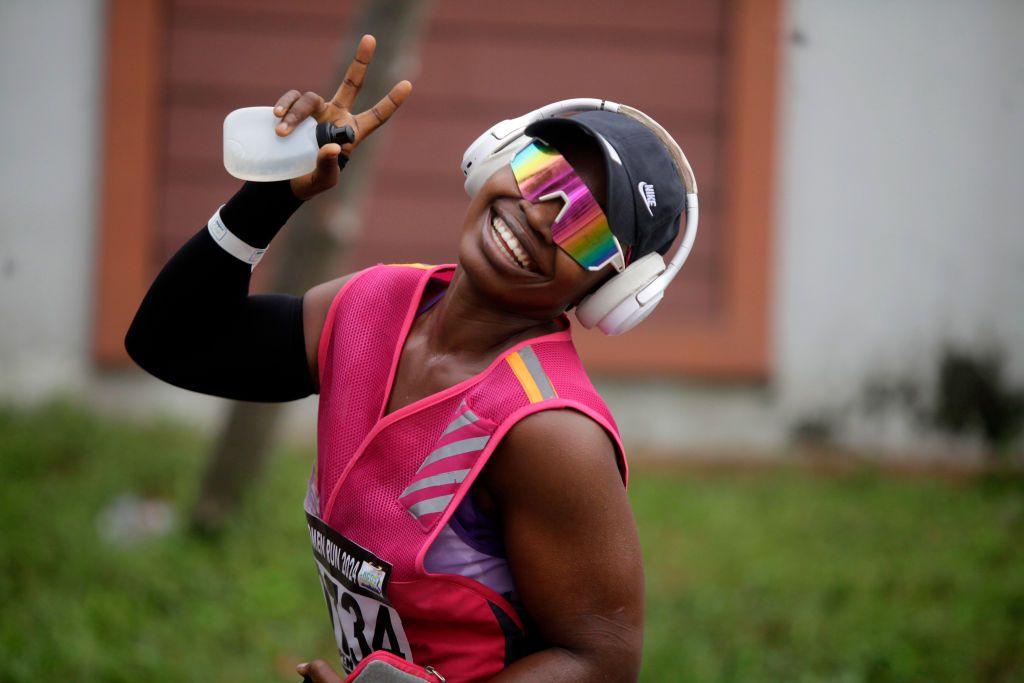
<point x="581" y="228"/>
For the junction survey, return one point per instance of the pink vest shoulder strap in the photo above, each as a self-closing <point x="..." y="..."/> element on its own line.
<point x="357" y="354"/>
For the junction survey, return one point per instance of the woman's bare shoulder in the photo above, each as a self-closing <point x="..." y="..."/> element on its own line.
<point x="316" y="302"/>
<point x="557" y="445"/>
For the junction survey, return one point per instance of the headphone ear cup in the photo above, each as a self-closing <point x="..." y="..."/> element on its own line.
<point x="490" y="161"/>
<point x="613" y="308"/>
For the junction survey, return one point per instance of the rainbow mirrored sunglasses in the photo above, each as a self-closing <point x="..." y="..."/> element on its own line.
<point x="580" y="229"/>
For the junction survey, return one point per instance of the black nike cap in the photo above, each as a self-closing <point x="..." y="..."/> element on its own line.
<point x="646" y="196"/>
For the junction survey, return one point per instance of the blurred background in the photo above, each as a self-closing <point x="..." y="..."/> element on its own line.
<point x="824" y="416"/>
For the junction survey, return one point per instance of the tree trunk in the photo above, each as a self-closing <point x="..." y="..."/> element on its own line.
<point x="317" y="240"/>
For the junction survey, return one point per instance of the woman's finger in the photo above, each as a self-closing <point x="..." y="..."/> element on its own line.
<point x="308" y="104"/>
<point x="323" y="177"/>
<point x="327" y="170"/>
<point x="355" y="74"/>
<point x="285" y="102"/>
<point x="319" y="671"/>
<point x="378" y="114"/>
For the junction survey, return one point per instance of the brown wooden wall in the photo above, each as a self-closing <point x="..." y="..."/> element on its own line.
<point x="679" y="60"/>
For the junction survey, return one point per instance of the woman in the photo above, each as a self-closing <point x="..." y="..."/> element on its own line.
<point x="467" y="511"/>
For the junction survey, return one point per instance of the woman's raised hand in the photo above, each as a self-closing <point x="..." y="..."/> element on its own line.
<point x="293" y="107"/>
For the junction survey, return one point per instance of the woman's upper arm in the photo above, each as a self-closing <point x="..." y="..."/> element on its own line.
<point x="315" y="304"/>
<point x="572" y="546"/>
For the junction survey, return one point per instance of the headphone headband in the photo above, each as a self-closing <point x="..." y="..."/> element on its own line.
<point x="692" y="207"/>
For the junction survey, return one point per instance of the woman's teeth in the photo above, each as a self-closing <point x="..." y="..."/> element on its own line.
<point x="509" y="245"/>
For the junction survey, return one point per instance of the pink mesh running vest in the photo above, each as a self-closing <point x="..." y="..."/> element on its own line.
<point x="385" y="487"/>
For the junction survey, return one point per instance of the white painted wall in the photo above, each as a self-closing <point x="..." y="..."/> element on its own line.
<point x="899" y="223"/>
<point x="898" y="227"/>
<point x="902" y="164"/>
<point x="50" y="56"/>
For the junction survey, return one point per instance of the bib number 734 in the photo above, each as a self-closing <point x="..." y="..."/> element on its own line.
<point x="354" y="583"/>
<point x="362" y="625"/>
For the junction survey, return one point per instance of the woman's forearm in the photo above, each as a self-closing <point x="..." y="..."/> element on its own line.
<point x="198" y="328"/>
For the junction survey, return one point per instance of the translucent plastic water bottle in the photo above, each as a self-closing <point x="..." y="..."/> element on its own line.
<point x="253" y="151"/>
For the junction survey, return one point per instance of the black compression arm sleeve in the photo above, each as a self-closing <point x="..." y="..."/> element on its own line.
<point x="198" y="328"/>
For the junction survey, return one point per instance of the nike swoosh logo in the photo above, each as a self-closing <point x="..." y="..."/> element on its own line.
<point x="647" y="194"/>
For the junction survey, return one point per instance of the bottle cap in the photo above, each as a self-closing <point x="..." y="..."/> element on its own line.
<point x="327" y="133"/>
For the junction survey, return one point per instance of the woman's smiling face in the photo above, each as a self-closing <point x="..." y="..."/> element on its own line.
<point x="507" y="251"/>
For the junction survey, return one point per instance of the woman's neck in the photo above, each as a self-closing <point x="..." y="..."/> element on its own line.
<point x="466" y="323"/>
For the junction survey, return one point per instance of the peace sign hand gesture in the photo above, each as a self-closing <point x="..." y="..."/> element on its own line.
<point x="293" y="107"/>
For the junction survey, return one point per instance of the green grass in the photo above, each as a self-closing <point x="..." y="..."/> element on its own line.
<point x="787" y="577"/>
<point x="768" y="576"/>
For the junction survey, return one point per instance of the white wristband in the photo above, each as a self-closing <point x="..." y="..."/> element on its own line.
<point x="230" y="243"/>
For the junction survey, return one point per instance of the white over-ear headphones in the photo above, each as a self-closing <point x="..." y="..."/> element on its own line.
<point x="630" y="296"/>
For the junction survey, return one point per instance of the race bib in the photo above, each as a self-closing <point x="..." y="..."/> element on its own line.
<point x="355" y="583"/>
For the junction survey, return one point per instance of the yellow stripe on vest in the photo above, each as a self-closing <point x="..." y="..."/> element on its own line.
<point x="421" y="266"/>
<point x="515" y="361"/>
